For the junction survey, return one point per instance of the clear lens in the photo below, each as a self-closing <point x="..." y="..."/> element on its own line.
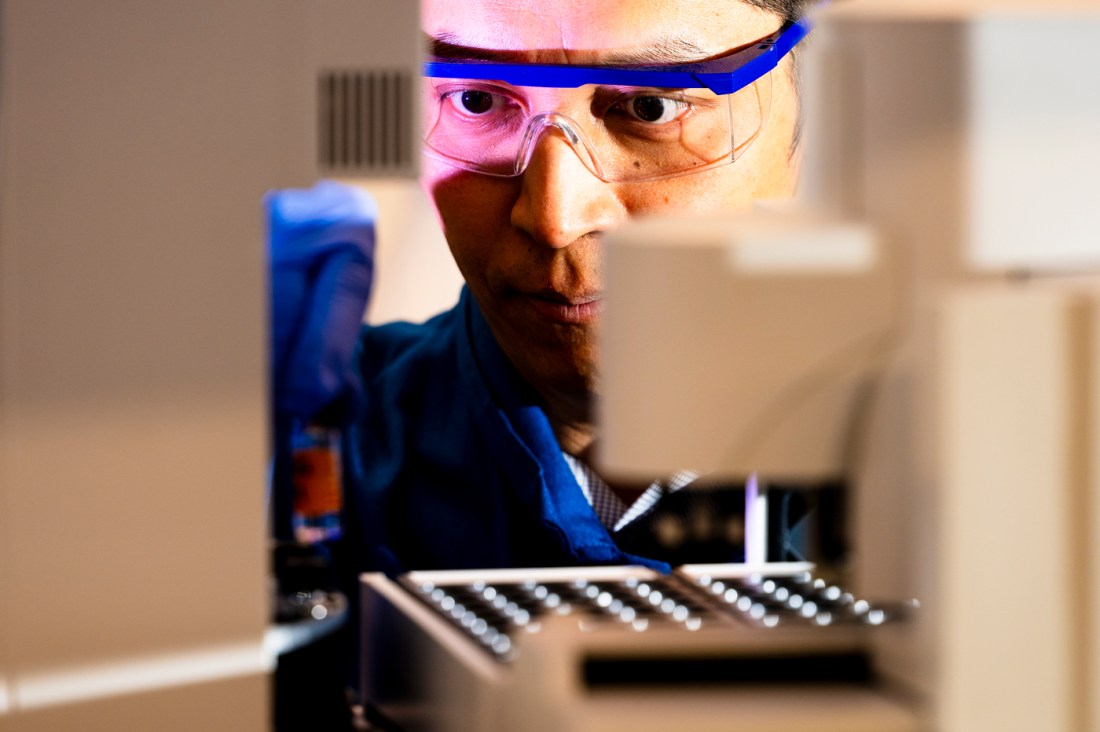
<point x="621" y="134"/>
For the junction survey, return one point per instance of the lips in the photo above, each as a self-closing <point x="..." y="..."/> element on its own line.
<point x="566" y="309"/>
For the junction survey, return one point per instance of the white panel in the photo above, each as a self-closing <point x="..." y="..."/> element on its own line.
<point x="132" y="676"/>
<point x="1090" y="687"/>
<point x="1035" y="152"/>
<point x="415" y="276"/>
<point x="1005" y="610"/>
<point x="916" y="10"/>
<point x="751" y="363"/>
<point x="228" y="705"/>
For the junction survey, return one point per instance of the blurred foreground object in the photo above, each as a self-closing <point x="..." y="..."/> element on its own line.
<point x="321" y="250"/>
<point x="766" y="648"/>
<point x="353" y="75"/>
<point x="964" y="138"/>
<point x="760" y="335"/>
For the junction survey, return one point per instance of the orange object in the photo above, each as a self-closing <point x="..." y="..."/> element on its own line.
<point x="317" y="482"/>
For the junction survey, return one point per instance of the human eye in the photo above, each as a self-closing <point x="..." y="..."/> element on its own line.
<point x="652" y="109"/>
<point x="476" y="102"/>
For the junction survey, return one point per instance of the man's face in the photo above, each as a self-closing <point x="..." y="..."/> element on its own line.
<point x="529" y="246"/>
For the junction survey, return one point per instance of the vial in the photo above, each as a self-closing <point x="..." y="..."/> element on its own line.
<point x="318" y="483"/>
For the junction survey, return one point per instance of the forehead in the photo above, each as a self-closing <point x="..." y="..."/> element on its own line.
<point x="584" y="31"/>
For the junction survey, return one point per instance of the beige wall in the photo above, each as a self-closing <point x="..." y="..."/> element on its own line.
<point x="415" y="276"/>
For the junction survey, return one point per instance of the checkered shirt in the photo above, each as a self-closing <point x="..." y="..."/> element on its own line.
<point x="611" y="510"/>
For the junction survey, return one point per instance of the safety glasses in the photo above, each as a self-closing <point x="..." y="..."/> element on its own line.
<point x="625" y="123"/>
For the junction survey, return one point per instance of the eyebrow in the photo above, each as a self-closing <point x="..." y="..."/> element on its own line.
<point x="662" y="51"/>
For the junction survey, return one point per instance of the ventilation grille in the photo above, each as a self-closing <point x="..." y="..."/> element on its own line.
<point x="365" y="122"/>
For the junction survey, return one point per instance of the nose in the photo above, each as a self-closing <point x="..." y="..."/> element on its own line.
<point x="560" y="199"/>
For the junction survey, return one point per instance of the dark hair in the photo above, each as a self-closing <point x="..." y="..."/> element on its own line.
<point x="787" y="9"/>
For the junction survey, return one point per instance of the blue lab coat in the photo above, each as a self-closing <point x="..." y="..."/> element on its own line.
<point x="453" y="464"/>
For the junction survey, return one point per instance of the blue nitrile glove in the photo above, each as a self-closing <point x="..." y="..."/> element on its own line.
<point x="321" y="245"/>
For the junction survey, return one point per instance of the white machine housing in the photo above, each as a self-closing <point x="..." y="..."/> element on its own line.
<point x="742" y="344"/>
<point x="965" y="137"/>
<point x="137" y="140"/>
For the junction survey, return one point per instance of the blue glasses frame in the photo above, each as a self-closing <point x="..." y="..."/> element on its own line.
<point x="724" y="75"/>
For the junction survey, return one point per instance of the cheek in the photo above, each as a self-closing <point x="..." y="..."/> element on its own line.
<point x="727" y="189"/>
<point x="474" y="211"/>
<point x="766" y="170"/>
